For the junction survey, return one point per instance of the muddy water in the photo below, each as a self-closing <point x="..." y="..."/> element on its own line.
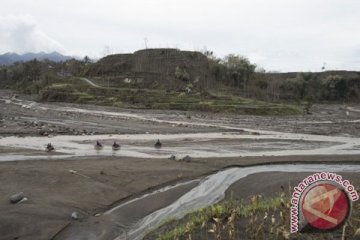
<point x="208" y="191"/>
<point x="241" y="142"/>
<point x="213" y="188"/>
<point x="201" y="145"/>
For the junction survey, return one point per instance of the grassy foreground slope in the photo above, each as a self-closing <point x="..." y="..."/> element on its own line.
<point x="78" y="91"/>
<point x="261" y="218"/>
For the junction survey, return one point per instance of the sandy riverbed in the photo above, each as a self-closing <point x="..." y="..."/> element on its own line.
<point x="24" y="116"/>
<point x="54" y="193"/>
<point x="105" y="180"/>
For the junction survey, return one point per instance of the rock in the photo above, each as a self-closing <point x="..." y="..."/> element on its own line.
<point x="42" y="132"/>
<point x="17" y="197"/>
<point x="75" y="216"/>
<point x="23" y="200"/>
<point x="187" y="158"/>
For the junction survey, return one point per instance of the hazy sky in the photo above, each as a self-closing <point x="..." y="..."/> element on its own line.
<point x="284" y="35"/>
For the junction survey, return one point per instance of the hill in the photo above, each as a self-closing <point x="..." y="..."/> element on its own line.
<point x="153" y="68"/>
<point x="181" y="80"/>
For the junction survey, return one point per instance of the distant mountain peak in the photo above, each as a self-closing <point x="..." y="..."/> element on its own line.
<point x="10" y="53"/>
<point x="9" y="58"/>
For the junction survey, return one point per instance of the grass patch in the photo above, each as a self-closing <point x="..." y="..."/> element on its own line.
<point x="60" y="86"/>
<point x="217" y="221"/>
<point x="84" y="97"/>
<point x="259" y="219"/>
<point x="77" y="91"/>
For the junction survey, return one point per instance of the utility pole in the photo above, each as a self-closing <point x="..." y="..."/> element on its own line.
<point x="145" y="42"/>
<point x="323" y="68"/>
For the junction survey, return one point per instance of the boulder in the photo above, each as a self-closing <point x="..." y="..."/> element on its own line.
<point x="17" y="197"/>
<point x="74" y="216"/>
<point x="187" y="158"/>
<point x="43" y="132"/>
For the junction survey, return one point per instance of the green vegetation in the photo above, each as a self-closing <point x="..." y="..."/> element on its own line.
<point x="308" y="87"/>
<point x="180" y="80"/>
<point x="182" y="74"/>
<point x="259" y="219"/>
<point x="233" y="70"/>
<point x="220" y="221"/>
<point x="74" y="90"/>
<point x="33" y="76"/>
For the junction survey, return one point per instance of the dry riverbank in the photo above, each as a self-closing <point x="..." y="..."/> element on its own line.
<point x="54" y="193"/>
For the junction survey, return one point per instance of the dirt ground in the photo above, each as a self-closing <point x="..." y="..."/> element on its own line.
<point x="54" y="193"/>
<point x="264" y="186"/>
<point x="100" y="183"/>
<point x="45" y="118"/>
<point x="250" y="186"/>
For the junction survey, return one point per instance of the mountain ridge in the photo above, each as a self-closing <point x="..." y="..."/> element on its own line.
<point x="11" y="57"/>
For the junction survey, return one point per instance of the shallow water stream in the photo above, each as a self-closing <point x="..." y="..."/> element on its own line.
<point x="209" y="190"/>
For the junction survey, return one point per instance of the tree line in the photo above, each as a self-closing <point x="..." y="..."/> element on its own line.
<point x="251" y="81"/>
<point x="32" y="76"/>
<point x="234" y="72"/>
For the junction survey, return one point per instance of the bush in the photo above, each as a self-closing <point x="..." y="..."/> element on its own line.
<point x="182" y="74"/>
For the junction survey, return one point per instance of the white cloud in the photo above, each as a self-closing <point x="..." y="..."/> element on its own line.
<point x="22" y="34"/>
<point x="295" y="35"/>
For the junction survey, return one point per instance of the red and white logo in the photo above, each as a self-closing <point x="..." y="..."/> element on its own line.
<point x="325" y="206"/>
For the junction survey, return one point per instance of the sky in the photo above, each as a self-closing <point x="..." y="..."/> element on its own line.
<point x="278" y="35"/>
